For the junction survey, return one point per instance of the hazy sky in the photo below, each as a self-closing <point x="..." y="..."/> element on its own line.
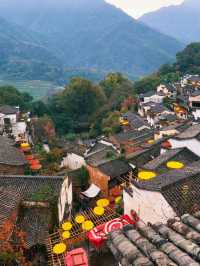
<point x="138" y="7"/>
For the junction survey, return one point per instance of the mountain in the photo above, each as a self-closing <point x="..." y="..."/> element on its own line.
<point x="91" y="34"/>
<point x="23" y="56"/>
<point x="181" y="22"/>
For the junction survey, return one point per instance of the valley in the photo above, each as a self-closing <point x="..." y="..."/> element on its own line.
<point x="38" y="89"/>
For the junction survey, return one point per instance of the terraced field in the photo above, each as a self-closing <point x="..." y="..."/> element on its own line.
<point x="36" y="88"/>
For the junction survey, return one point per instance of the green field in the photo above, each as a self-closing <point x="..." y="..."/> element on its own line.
<point x="36" y="88"/>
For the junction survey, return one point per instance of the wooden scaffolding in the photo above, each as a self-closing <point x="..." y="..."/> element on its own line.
<point x="77" y="234"/>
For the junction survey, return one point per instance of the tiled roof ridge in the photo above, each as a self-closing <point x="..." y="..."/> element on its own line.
<point x="95" y="152"/>
<point x="190" y="132"/>
<point x="8" y="109"/>
<point x="163" y="157"/>
<point x="174" y="243"/>
<point x="164" y="180"/>
<point x="31" y="177"/>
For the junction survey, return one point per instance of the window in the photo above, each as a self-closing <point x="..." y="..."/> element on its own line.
<point x="196" y="104"/>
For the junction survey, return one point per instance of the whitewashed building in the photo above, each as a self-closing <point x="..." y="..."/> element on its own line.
<point x="153" y="112"/>
<point x="189" y="138"/>
<point x="73" y="161"/>
<point x="65" y="199"/>
<point x="152" y="96"/>
<point x="166" y="196"/>
<point x="8" y="114"/>
<point x="168" y="90"/>
<point x="194" y="104"/>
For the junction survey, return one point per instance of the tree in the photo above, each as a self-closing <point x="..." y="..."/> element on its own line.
<point x="39" y="108"/>
<point x="110" y="82"/>
<point x="111" y="124"/>
<point x="166" y="69"/>
<point x="147" y="84"/>
<point x="11" y="254"/>
<point x="54" y="156"/>
<point x="188" y="61"/>
<point x="170" y="77"/>
<point x="130" y="103"/>
<point x="11" y="96"/>
<point x="43" y="129"/>
<point x="73" y="108"/>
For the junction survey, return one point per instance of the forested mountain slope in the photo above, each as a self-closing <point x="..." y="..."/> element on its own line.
<point x="92" y="34"/>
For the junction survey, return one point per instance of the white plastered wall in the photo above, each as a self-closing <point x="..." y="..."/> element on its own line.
<point x="151" y="206"/>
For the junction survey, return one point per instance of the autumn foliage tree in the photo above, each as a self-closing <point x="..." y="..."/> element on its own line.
<point x="10" y="252"/>
<point x="129" y="103"/>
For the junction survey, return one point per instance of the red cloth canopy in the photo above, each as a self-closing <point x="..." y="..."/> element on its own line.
<point x="98" y="235"/>
<point x="76" y="257"/>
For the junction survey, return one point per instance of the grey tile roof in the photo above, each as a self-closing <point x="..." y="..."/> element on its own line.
<point x="147" y="94"/>
<point x="35" y="223"/>
<point x="170" y="178"/>
<point x="102" y="156"/>
<point x="5" y="141"/>
<point x="153" y="164"/>
<point x="27" y="185"/>
<point x="73" y="147"/>
<point x="135" y="120"/>
<point x="8" y="110"/>
<point x="9" y="201"/>
<point x="31" y="220"/>
<point x="171" y="244"/>
<point x="9" y="154"/>
<point x="178" y="125"/>
<point x="158" y="108"/>
<point x="115" y="168"/>
<point x="134" y="135"/>
<point x="97" y="147"/>
<point x="195" y="93"/>
<point x="182" y="98"/>
<point x="169" y="117"/>
<point x="194" y="78"/>
<point x="190" y="132"/>
<point x="170" y="87"/>
<point x="150" y="103"/>
<point x="160" y="93"/>
<point x="148" y="152"/>
<point x="155" y="107"/>
<point x="181" y="154"/>
<point x="136" y="153"/>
